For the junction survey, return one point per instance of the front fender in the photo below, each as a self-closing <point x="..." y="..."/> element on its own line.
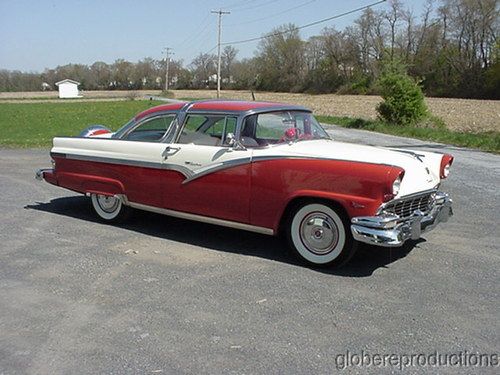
<point x="352" y="204"/>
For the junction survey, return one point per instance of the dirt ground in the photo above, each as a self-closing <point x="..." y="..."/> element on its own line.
<point x="458" y="114"/>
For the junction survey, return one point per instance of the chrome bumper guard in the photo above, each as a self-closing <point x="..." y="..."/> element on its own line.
<point x="390" y="230"/>
<point x="39" y="173"/>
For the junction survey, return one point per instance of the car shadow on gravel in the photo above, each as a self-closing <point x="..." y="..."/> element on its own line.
<point x="366" y="260"/>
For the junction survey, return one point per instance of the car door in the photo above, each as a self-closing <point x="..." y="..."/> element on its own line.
<point x="210" y="178"/>
<point x="142" y="145"/>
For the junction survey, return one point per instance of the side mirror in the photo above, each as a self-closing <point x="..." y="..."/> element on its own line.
<point x="233" y="142"/>
<point x="230" y="140"/>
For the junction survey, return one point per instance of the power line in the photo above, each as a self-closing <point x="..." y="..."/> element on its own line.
<point x="273" y="15"/>
<point x="191" y="39"/>
<point x="211" y="49"/>
<point x="306" y="25"/>
<point x="256" y="6"/>
<point x="206" y="39"/>
<point x="238" y="4"/>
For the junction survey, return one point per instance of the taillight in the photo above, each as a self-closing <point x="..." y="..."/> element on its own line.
<point x="446" y="162"/>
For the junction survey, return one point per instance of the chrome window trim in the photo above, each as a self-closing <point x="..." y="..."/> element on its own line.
<point x="146" y="119"/>
<point x="226" y="114"/>
<point x="247" y="114"/>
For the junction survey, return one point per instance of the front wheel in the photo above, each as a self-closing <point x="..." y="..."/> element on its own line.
<point x="108" y="208"/>
<point x="320" y="235"/>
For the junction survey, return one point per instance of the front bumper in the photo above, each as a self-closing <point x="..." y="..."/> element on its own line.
<point x="390" y="231"/>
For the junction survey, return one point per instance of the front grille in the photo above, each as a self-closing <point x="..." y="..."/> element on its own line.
<point x="405" y="207"/>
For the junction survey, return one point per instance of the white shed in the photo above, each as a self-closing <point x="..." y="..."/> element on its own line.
<point x="68" y="88"/>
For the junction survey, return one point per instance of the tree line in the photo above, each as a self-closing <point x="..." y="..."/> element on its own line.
<point x="451" y="48"/>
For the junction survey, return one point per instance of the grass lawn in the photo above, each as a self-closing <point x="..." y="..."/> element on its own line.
<point x="35" y="124"/>
<point x="487" y="141"/>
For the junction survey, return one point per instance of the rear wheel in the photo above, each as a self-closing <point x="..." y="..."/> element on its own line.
<point x="108" y="208"/>
<point x="319" y="235"/>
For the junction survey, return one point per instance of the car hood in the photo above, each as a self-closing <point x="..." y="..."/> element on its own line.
<point x="421" y="168"/>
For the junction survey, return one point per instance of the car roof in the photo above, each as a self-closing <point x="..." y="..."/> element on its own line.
<point x="217" y="105"/>
<point x="161" y="108"/>
<point x="231" y="105"/>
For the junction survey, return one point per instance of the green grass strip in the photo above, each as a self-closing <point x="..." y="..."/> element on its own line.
<point x="486" y="141"/>
<point x="35" y="124"/>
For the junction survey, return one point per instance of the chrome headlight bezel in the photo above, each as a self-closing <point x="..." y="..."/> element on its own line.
<point x="446" y="170"/>
<point x="396" y="186"/>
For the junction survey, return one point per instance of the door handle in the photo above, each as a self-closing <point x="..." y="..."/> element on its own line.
<point x="169" y="151"/>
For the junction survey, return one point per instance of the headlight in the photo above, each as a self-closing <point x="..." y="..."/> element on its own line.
<point x="396" y="185"/>
<point x="446" y="170"/>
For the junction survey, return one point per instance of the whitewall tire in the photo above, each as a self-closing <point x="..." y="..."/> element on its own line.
<point x="320" y="235"/>
<point x="108" y="208"/>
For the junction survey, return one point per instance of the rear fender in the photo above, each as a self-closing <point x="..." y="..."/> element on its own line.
<point x="90" y="184"/>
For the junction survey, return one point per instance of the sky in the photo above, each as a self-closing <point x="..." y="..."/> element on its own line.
<point x="40" y="34"/>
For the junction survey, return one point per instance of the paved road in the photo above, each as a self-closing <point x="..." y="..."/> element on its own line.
<point x="195" y="298"/>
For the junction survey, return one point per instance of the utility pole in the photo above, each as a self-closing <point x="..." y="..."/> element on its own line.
<point x="220" y="12"/>
<point x="167" y="52"/>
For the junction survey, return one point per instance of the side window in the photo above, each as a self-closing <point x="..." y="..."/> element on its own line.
<point x="151" y="130"/>
<point x="222" y="127"/>
<point x="269" y="126"/>
<point x="207" y="130"/>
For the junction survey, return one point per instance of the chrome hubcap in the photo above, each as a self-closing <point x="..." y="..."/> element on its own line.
<point x="319" y="233"/>
<point x="107" y="203"/>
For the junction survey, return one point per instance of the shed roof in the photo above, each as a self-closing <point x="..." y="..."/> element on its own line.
<point x="67" y="81"/>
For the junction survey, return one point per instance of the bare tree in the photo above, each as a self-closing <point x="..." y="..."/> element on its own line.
<point x="203" y="67"/>
<point x="393" y="16"/>
<point x="228" y="58"/>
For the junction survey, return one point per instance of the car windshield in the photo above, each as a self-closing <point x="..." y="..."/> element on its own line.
<point x="280" y="127"/>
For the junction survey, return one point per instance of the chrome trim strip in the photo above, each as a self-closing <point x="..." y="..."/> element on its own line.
<point x="273" y="157"/>
<point x="134" y="163"/>
<point x="212" y="168"/>
<point x="39" y="173"/>
<point x="192" y="175"/>
<point x="409" y="152"/>
<point x="277" y="108"/>
<point x="273" y="108"/>
<point x="203" y="219"/>
<point x="57" y="154"/>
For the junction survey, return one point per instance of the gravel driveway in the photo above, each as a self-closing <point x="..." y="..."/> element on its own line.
<point x="164" y="295"/>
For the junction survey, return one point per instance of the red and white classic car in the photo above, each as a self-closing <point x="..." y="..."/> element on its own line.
<point x="264" y="167"/>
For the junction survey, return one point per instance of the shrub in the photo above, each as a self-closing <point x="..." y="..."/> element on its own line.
<point x="403" y="98"/>
<point x="132" y="95"/>
<point x="167" y="94"/>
